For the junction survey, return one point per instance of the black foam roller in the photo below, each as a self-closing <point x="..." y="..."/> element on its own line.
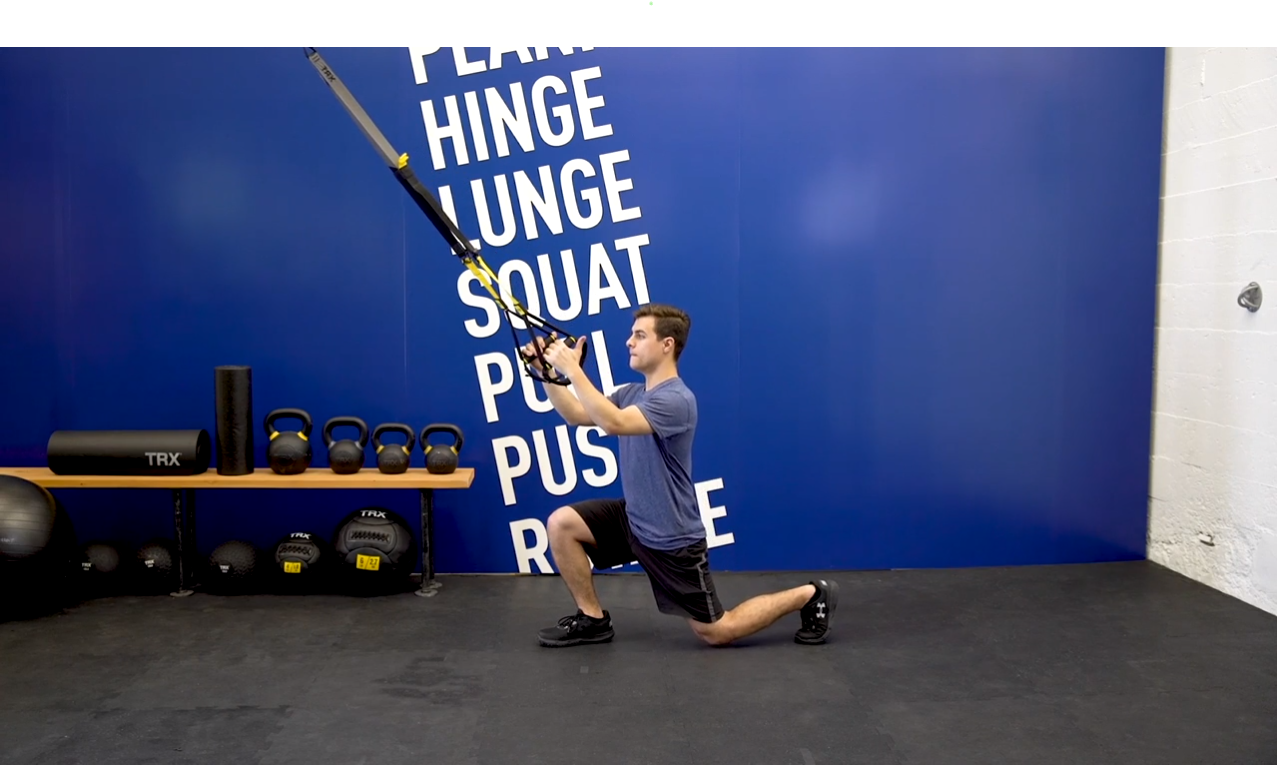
<point x="234" y="420"/>
<point x="129" y="452"/>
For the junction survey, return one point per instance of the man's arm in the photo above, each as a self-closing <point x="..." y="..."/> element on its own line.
<point x="597" y="408"/>
<point x="602" y="412"/>
<point x="567" y="405"/>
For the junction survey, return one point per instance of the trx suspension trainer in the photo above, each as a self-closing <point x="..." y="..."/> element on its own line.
<point x="461" y="246"/>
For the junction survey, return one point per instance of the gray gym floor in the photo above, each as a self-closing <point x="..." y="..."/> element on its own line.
<point x="1121" y="663"/>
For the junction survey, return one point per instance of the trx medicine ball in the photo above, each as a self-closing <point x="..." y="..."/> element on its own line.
<point x="157" y="565"/>
<point x="375" y="544"/>
<point x="302" y="559"/>
<point x="105" y="569"/>
<point x="100" y="559"/>
<point x="232" y="567"/>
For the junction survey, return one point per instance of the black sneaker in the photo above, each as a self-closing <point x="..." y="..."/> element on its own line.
<point x="576" y="629"/>
<point x="818" y="613"/>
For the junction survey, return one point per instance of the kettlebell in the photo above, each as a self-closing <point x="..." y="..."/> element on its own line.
<point x="289" y="451"/>
<point x="393" y="458"/>
<point x="441" y="458"/>
<point x="346" y="456"/>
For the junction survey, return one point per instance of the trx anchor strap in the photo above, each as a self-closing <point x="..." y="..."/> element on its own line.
<point x="461" y="246"/>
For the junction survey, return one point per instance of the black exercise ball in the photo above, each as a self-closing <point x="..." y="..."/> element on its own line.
<point x="376" y="548"/>
<point x="232" y="568"/>
<point x="29" y="517"/>
<point x="157" y="566"/>
<point x="38" y="549"/>
<point x="302" y="561"/>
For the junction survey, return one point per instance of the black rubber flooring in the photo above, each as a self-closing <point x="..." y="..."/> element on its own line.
<point x="1114" y="663"/>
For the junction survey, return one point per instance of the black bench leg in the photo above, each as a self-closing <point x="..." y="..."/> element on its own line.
<point x="184" y="542"/>
<point x="429" y="585"/>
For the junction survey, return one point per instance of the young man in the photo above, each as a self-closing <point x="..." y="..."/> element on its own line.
<point x="657" y="522"/>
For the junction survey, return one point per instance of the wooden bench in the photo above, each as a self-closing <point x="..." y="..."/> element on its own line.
<point x="184" y="486"/>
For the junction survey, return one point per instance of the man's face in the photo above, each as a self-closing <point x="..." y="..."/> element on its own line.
<point x="646" y="350"/>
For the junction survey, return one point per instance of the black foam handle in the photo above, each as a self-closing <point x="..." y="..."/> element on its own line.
<point x="129" y="452"/>
<point x="235" y="424"/>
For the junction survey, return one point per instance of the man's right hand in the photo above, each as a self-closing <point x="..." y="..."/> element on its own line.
<point x="562" y="399"/>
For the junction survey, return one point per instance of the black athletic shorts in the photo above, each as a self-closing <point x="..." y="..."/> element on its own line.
<point x="680" y="579"/>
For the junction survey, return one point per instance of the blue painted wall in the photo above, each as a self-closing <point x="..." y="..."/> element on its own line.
<point x="922" y="283"/>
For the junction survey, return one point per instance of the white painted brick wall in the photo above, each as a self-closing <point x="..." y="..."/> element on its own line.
<point x="1213" y="499"/>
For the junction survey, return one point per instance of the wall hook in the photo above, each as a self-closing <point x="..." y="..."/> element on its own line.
<point x="1251" y="297"/>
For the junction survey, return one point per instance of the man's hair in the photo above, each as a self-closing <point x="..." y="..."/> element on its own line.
<point x="670" y="322"/>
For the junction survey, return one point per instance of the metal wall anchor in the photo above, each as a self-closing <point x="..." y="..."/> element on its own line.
<point x="1251" y="297"/>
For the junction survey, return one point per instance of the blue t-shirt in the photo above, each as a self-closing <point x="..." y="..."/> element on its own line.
<point x="656" y="469"/>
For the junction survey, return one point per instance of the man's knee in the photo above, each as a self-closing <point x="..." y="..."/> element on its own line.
<point x="715" y="634"/>
<point x="567" y="523"/>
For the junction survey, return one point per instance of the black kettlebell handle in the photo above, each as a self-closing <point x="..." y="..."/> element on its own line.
<point x="279" y="414"/>
<point x="394" y="427"/>
<point x="441" y="427"/>
<point x="338" y="422"/>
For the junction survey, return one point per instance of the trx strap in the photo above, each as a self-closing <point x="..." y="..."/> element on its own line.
<point x="461" y="246"/>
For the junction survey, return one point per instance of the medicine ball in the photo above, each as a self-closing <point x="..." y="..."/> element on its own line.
<point x="302" y="560"/>
<point x="38" y="550"/>
<point x="232" y="567"/>
<point x="375" y="546"/>
<point x="105" y="568"/>
<point x="157" y="565"/>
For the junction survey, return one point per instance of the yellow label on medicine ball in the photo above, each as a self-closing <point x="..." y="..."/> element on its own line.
<point x="292" y="567"/>
<point x="367" y="562"/>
